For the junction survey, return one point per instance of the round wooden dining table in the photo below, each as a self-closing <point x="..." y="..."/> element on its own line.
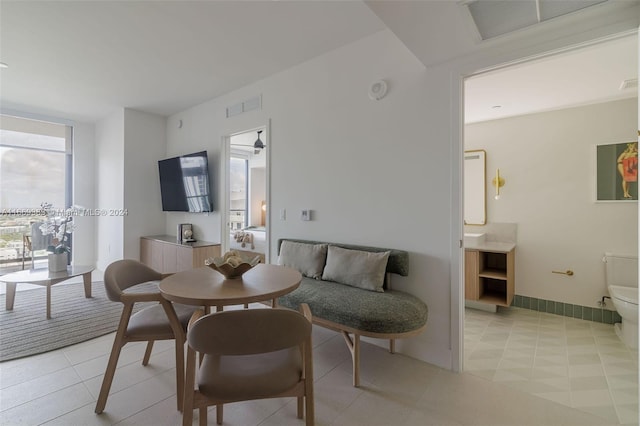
<point x="207" y="287"/>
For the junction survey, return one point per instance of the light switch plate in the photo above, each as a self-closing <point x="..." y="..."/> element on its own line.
<point x="305" y="215"/>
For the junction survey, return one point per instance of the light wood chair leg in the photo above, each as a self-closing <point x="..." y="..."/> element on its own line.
<point x="219" y="414"/>
<point x="180" y="339"/>
<point x="180" y="372"/>
<point x="308" y="383"/>
<point x="189" y="384"/>
<point x="309" y="406"/>
<point x="118" y="343"/>
<point x="203" y="416"/>
<point x="147" y="353"/>
<point x="300" y="407"/>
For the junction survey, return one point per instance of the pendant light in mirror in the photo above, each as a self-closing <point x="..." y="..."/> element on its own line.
<point x="258" y="144"/>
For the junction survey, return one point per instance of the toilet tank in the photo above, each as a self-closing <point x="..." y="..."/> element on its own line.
<point x="621" y="269"/>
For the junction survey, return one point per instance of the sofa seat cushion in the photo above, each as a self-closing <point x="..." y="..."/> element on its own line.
<point x="389" y="312"/>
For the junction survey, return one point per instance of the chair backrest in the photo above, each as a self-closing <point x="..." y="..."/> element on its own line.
<point x="26" y="243"/>
<point x="248" y="331"/>
<point x="37" y="239"/>
<point x="122" y="274"/>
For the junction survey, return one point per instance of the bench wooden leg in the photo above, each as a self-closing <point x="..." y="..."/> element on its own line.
<point x="392" y="346"/>
<point x="354" y="348"/>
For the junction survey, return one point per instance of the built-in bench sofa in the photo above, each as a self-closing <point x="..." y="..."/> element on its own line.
<point x="348" y="289"/>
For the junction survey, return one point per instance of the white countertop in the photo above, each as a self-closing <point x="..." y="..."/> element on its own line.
<point x="493" y="246"/>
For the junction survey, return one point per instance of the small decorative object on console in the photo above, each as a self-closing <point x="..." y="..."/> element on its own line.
<point x="232" y="264"/>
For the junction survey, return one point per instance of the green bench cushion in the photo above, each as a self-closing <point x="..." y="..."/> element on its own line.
<point x="398" y="262"/>
<point x="390" y="312"/>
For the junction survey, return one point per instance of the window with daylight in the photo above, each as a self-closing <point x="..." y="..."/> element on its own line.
<point x="35" y="167"/>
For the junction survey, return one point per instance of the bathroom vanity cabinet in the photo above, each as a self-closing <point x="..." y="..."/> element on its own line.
<point x="490" y="273"/>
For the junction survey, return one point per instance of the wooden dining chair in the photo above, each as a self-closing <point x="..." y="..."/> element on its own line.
<point x="149" y="324"/>
<point x="249" y="354"/>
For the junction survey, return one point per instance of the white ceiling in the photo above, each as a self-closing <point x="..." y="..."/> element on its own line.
<point x="82" y="60"/>
<point x="579" y="77"/>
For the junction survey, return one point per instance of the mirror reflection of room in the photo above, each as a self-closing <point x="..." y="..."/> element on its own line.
<point x="247" y="194"/>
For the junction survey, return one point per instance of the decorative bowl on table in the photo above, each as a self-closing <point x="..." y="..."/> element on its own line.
<point x="232" y="264"/>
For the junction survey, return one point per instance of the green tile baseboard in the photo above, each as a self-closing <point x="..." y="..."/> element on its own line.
<point x="588" y="313"/>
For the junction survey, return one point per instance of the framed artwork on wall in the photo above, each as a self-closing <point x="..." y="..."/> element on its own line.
<point x="617" y="172"/>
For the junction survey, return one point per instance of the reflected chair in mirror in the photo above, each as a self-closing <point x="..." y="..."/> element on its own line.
<point x="149" y="324"/>
<point x="249" y="354"/>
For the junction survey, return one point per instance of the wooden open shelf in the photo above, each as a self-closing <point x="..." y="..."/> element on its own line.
<point x="490" y="276"/>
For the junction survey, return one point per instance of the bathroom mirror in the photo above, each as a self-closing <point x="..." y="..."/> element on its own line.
<point x="475" y="189"/>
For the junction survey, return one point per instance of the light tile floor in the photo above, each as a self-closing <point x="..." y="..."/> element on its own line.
<point x="576" y="363"/>
<point x="61" y="388"/>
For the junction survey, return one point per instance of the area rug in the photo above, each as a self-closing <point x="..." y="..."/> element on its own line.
<point x="26" y="331"/>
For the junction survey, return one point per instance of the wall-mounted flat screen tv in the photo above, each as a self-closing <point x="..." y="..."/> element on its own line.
<point x="184" y="183"/>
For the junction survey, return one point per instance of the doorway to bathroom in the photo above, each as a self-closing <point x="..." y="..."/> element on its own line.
<point x="555" y="330"/>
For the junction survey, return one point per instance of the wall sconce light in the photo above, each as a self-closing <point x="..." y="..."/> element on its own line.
<point x="498" y="182"/>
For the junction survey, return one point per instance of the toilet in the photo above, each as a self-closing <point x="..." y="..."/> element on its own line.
<point x="622" y="283"/>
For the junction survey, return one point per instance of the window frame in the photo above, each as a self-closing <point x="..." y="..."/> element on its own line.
<point x="68" y="168"/>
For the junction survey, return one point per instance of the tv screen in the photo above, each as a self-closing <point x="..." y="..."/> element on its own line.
<point x="184" y="183"/>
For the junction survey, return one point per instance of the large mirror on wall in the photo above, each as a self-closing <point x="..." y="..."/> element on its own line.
<point x="475" y="189"/>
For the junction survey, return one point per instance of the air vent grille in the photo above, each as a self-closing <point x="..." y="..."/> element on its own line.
<point x="245" y="106"/>
<point x="631" y="83"/>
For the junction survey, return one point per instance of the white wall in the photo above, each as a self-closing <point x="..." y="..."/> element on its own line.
<point x="84" y="192"/>
<point x="200" y="131"/>
<point x="370" y="170"/>
<point x="109" y="176"/>
<point x="128" y="146"/>
<point x="548" y="162"/>
<point x="144" y="145"/>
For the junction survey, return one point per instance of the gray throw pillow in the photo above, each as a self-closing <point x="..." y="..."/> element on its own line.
<point x="308" y="259"/>
<point x="356" y="268"/>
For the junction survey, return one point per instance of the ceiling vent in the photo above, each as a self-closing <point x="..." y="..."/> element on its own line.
<point x="494" y="18"/>
<point x="631" y="83"/>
